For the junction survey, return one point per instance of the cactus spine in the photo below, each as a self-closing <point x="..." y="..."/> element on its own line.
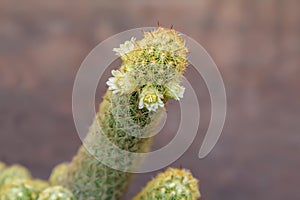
<point x="171" y="184"/>
<point x="149" y="75"/>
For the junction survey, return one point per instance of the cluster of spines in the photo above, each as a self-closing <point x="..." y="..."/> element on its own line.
<point x="157" y="61"/>
<point x="56" y="193"/>
<point x="171" y="184"/>
<point x="18" y="189"/>
<point x="57" y="173"/>
<point x="14" y="172"/>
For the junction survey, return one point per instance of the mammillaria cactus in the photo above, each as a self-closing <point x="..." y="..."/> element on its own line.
<point x="56" y="193"/>
<point x="14" y="172"/>
<point x="57" y="173"/>
<point x="129" y="114"/>
<point x="131" y="110"/>
<point x="18" y="189"/>
<point x="171" y="184"/>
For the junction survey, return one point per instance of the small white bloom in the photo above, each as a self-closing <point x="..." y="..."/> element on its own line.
<point x="119" y="83"/>
<point x="174" y="91"/>
<point x="171" y="185"/>
<point x="125" y="48"/>
<point x="151" y="99"/>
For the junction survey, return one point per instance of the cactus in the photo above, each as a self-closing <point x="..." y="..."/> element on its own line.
<point x="57" y="173"/>
<point x="56" y="193"/>
<point x="14" y="172"/>
<point x="130" y="111"/>
<point x="18" y="189"/>
<point x="169" y="185"/>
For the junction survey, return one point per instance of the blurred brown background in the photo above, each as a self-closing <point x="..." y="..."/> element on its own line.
<point x="255" y="43"/>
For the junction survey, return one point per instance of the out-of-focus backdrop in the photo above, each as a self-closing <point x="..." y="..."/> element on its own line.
<point x="255" y="43"/>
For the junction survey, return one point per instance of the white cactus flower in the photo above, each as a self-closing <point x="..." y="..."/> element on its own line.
<point x="119" y="82"/>
<point x="174" y="91"/>
<point x="151" y="99"/>
<point x="125" y="48"/>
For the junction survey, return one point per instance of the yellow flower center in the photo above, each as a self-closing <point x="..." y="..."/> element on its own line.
<point x="150" y="98"/>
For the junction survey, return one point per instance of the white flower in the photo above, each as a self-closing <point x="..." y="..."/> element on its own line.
<point x="125" y="48"/>
<point x="174" y="91"/>
<point x="151" y="99"/>
<point x="119" y="83"/>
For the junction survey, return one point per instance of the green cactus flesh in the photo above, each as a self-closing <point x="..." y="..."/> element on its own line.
<point x="130" y="111"/>
<point x="56" y="193"/>
<point x="173" y="184"/>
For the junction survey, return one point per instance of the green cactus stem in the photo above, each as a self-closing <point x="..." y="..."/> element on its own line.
<point x="129" y="113"/>
<point x="172" y="184"/>
<point x="56" y="193"/>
